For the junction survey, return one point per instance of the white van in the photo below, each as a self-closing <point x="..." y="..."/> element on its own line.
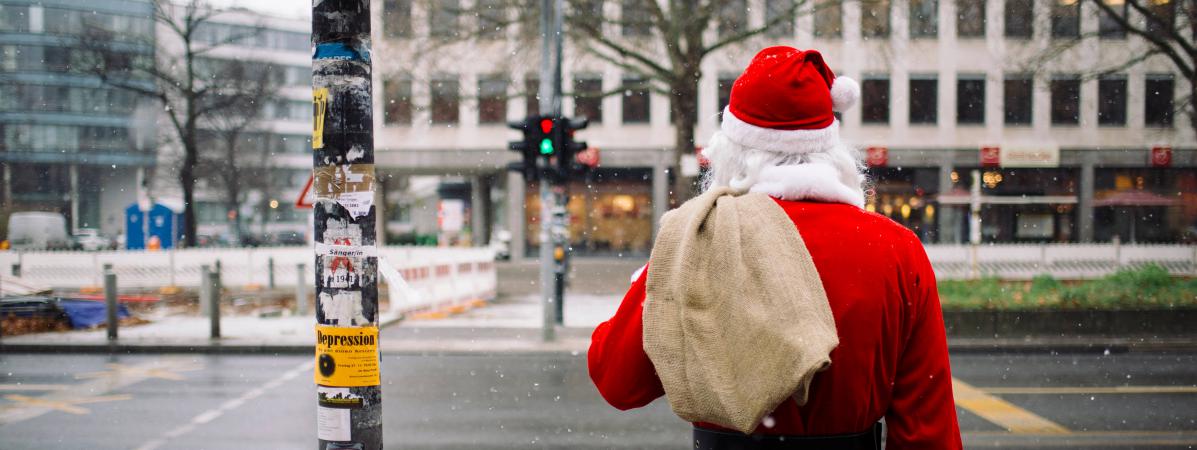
<point x="38" y="231"/>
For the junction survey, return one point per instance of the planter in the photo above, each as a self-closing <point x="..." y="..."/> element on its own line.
<point x="1019" y="324"/>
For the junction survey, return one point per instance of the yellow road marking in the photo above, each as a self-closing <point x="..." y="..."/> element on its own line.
<point x="169" y="372"/>
<point x="69" y="405"/>
<point x="1093" y="390"/>
<point x="1001" y="412"/>
<point x="31" y="387"/>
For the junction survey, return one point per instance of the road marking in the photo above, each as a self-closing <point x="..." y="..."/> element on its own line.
<point x="99" y="383"/>
<point x="1001" y="412"/>
<point x="1092" y="390"/>
<point x="69" y="405"/>
<point x="22" y="387"/>
<point x="213" y="414"/>
<point x="1080" y="439"/>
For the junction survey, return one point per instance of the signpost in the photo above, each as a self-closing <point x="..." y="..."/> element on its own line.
<point x="347" y="375"/>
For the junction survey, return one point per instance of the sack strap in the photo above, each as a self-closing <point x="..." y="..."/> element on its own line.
<point x="708" y="439"/>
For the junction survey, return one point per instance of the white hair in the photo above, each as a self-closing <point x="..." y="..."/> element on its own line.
<point x="739" y="167"/>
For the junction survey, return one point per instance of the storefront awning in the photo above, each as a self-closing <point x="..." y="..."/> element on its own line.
<point x="1134" y="198"/>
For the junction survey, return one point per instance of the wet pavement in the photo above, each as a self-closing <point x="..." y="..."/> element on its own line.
<point x="509" y="401"/>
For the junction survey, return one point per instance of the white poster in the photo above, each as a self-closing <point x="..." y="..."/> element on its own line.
<point x="332" y="424"/>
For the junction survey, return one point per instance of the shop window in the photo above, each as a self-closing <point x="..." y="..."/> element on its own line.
<point x="1158" y="105"/>
<point x="780" y="14"/>
<point x="1066" y="19"/>
<point x="446" y="101"/>
<point x="970" y="18"/>
<point x="724" y="95"/>
<point x="874" y="97"/>
<point x="398" y="106"/>
<point x="970" y="100"/>
<point x="874" y="18"/>
<point x="924" y="100"/>
<point x="1107" y="24"/>
<point x="492" y="100"/>
<point x="733" y="17"/>
<point x="1111" y="101"/>
<point x="829" y="19"/>
<point x="588" y="98"/>
<point x="1019" y="18"/>
<point x="1066" y="101"/>
<point x="924" y="18"/>
<point x="396" y="18"/>
<point x="636" y="103"/>
<point x="532" y="96"/>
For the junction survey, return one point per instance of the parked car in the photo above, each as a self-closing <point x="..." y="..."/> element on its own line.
<point x="89" y="239"/>
<point x="38" y="231"/>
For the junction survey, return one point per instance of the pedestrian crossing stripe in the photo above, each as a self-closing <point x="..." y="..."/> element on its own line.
<point x="1002" y="413"/>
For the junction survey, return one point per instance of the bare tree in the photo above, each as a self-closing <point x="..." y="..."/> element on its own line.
<point x="173" y="78"/>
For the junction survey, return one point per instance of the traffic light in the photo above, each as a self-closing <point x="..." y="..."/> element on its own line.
<point x="548" y="144"/>
<point x="531" y="146"/>
<point x="567" y="164"/>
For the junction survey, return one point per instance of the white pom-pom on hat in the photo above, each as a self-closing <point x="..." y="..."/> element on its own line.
<point x="845" y="92"/>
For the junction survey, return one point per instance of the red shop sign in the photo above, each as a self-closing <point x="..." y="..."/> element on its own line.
<point x="1161" y="156"/>
<point x="991" y="156"/>
<point x="877" y="156"/>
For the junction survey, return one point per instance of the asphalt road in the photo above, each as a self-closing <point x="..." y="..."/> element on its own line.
<point x="1133" y="400"/>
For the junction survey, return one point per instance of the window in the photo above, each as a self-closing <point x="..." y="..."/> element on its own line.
<point x="1158" y="106"/>
<point x="636" y="105"/>
<point x="14" y="18"/>
<point x="492" y="99"/>
<point x="1162" y="20"/>
<point x="1017" y="98"/>
<point x="443" y="17"/>
<point x="446" y="100"/>
<point x="1107" y="24"/>
<point x="1111" y="100"/>
<point x="874" y="99"/>
<point x="733" y="16"/>
<point x="924" y="100"/>
<point x="491" y="18"/>
<point x="829" y="19"/>
<point x="874" y="18"/>
<point x="723" y="96"/>
<point x="588" y="98"/>
<point x="396" y="18"/>
<point x="781" y="15"/>
<point x="970" y="18"/>
<point x="635" y="18"/>
<point x="532" y="96"/>
<point x="1019" y="18"/>
<point x="1066" y="18"/>
<point x="970" y="100"/>
<point x="397" y="95"/>
<point x="1066" y="100"/>
<point x="924" y="18"/>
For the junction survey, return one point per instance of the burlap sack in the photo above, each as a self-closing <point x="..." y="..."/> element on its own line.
<point x="736" y="319"/>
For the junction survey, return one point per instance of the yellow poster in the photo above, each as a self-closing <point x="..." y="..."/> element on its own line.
<point x="319" y="108"/>
<point x="347" y="356"/>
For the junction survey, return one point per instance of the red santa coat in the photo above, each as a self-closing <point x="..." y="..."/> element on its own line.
<point x="892" y="360"/>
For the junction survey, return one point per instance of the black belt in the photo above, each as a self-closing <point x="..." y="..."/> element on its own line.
<point x="708" y="439"/>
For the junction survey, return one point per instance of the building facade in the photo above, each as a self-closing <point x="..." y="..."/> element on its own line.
<point x="68" y="143"/>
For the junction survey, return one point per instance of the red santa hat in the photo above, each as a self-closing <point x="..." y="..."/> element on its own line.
<point x="784" y="102"/>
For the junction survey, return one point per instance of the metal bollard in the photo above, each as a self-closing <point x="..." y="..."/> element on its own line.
<point x="270" y="272"/>
<point x="110" y="303"/>
<point x="213" y="282"/>
<point x="205" y="289"/>
<point x="16" y="270"/>
<point x="301" y="291"/>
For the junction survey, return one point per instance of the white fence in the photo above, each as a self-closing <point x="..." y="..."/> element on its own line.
<point x="1063" y="261"/>
<point x="435" y="275"/>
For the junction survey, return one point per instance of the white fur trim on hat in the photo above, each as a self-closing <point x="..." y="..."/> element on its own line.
<point x="844" y="93"/>
<point x="780" y="141"/>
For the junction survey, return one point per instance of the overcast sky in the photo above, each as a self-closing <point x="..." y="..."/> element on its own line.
<point x="301" y="9"/>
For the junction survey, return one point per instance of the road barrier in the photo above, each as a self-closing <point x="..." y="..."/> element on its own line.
<point x="434" y="276"/>
<point x="1062" y="261"/>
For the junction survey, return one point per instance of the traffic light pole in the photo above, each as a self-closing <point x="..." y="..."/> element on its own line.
<point x="347" y="373"/>
<point x="552" y="198"/>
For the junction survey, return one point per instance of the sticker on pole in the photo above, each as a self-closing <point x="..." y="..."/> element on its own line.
<point x="347" y="356"/>
<point x="333" y="412"/>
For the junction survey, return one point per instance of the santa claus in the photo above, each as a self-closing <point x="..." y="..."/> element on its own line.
<point x="780" y="137"/>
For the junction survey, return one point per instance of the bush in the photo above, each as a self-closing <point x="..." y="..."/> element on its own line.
<point x="1146" y="287"/>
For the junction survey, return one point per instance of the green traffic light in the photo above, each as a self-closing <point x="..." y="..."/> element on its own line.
<point x="546" y="146"/>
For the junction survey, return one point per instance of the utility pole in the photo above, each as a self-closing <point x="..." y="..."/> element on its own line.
<point x="347" y="375"/>
<point x="552" y="193"/>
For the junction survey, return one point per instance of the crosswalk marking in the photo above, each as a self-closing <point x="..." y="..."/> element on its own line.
<point x="1001" y="412"/>
<point x="1092" y="390"/>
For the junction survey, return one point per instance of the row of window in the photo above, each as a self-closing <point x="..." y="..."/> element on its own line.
<point x="267" y="142"/>
<point x="492" y="96"/>
<point x="779" y="17"/>
<point x="72" y="22"/>
<point x="1017" y="95"/>
<point x="37" y="58"/>
<point x="212" y="33"/>
<point x="63" y="138"/>
<point x="73" y="99"/>
<point x="279" y="75"/>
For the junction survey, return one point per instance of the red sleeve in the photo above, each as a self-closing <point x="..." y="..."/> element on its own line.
<point x="618" y="365"/>
<point x="922" y="414"/>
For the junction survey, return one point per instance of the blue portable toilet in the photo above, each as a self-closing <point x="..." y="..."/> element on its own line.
<point x="135" y="227"/>
<point x="164" y="223"/>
